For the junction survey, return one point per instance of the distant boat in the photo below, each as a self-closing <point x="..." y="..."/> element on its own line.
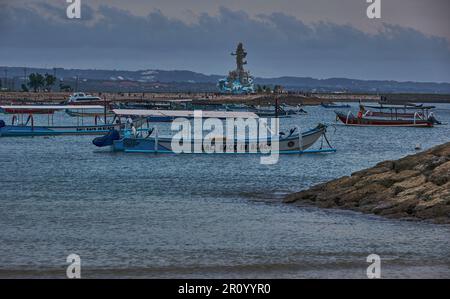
<point x="29" y="128"/>
<point x="173" y="104"/>
<point x="23" y="131"/>
<point x="334" y="105"/>
<point x="407" y="111"/>
<point x="350" y="120"/>
<point x="83" y="98"/>
<point x="294" y="110"/>
<point x="6" y="110"/>
<point x="237" y="107"/>
<point x="262" y="112"/>
<point x="281" y="111"/>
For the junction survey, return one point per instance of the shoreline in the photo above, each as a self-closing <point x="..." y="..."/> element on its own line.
<point x="293" y="98"/>
<point x="203" y="97"/>
<point x="347" y="268"/>
<point x="416" y="187"/>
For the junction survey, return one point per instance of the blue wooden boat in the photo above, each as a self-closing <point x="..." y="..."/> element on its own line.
<point x="294" y="143"/>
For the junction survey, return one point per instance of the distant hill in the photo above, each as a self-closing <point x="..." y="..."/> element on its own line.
<point x="181" y="80"/>
<point x="353" y="85"/>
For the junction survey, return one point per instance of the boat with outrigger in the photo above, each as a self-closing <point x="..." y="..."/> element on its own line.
<point x="409" y="115"/>
<point x="406" y="111"/>
<point x="280" y="111"/>
<point x="23" y="121"/>
<point x="134" y="141"/>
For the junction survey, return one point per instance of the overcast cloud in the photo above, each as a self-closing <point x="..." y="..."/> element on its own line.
<point x="111" y="36"/>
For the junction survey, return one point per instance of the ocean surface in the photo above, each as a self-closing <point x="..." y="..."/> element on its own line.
<point x="206" y="216"/>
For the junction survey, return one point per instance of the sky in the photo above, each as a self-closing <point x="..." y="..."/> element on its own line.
<point x="305" y="38"/>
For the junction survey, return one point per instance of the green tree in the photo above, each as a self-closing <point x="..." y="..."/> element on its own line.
<point x="24" y="88"/>
<point x="63" y="87"/>
<point x="259" y="89"/>
<point x="36" y="81"/>
<point x="277" y="89"/>
<point x="50" y="80"/>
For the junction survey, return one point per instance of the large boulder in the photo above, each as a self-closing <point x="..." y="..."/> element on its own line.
<point x="441" y="174"/>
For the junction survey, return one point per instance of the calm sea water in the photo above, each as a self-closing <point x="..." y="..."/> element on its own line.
<point x="133" y="215"/>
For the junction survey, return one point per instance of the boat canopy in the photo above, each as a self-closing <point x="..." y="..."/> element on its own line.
<point x="184" y="113"/>
<point x="51" y="107"/>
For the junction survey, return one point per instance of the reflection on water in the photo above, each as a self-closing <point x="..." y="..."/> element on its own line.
<point x="204" y="215"/>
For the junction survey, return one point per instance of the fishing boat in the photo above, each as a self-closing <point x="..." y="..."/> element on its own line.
<point x="281" y="110"/>
<point x="24" y="125"/>
<point x="237" y="107"/>
<point x="334" y="105"/>
<point x="270" y="113"/>
<point x="171" y="104"/>
<point x="364" y="121"/>
<point x="294" y="110"/>
<point x="407" y="111"/>
<point x="292" y="143"/>
<point x="276" y="111"/>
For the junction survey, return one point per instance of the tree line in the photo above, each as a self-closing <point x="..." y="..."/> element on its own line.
<point x="260" y="89"/>
<point x="38" y="82"/>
